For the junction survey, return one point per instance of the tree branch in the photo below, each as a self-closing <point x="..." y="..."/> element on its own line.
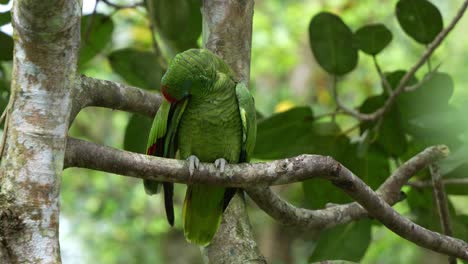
<point x="89" y="155"/>
<point x="442" y="204"/>
<point x="404" y="81"/>
<point x="390" y="191"/>
<point x="46" y="42"/>
<point x="84" y="154"/>
<point x="426" y="184"/>
<point x="95" y="92"/>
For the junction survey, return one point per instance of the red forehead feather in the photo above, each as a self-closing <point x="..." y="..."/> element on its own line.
<point x="166" y="94"/>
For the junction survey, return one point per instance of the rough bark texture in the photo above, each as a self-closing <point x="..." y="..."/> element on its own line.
<point x="227" y="31"/>
<point x="102" y="93"/>
<point x="45" y="59"/>
<point x="253" y="176"/>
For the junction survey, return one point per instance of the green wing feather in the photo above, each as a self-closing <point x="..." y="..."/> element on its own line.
<point x="161" y="143"/>
<point x="249" y="122"/>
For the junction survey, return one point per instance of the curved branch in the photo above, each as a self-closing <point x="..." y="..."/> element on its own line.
<point x="95" y="92"/>
<point x="390" y="191"/>
<point x="404" y="81"/>
<point x="89" y="155"/>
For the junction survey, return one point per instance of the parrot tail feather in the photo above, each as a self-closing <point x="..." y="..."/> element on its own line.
<point x="230" y="192"/>
<point x="168" y="203"/>
<point x="202" y="213"/>
<point x="151" y="187"/>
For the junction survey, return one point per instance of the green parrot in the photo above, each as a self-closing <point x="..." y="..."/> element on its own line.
<point x="207" y="116"/>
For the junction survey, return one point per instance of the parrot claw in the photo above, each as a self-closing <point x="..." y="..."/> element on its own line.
<point x="220" y="164"/>
<point x="194" y="163"/>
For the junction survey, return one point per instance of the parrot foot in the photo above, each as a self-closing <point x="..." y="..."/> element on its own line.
<point x="220" y="164"/>
<point x="194" y="163"/>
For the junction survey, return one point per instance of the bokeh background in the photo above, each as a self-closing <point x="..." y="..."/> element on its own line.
<point x="107" y="218"/>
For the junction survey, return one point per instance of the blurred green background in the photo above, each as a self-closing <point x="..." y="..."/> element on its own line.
<point x="109" y="219"/>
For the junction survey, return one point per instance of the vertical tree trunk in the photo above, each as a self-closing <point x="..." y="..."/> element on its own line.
<point x="46" y="50"/>
<point x="227" y="31"/>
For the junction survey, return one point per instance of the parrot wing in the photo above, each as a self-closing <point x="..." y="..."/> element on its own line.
<point x="249" y="123"/>
<point x="249" y="131"/>
<point x="162" y="143"/>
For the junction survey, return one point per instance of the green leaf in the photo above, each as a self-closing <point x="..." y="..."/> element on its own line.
<point x="394" y="78"/>
<point x="179" y="22"/>
<point x="458" y="173"/>
<point x="420" y="19"/>
<point x="427" y="114"/>
<point x="136" y="133"/>
<point x="4" y="90"/>
<point x="431" y="97"/>
<point x="454" y="160"/>
<point x="272" y="143"/>
<point x="444" y="125"/>
<point x="390" y="133"/>
<point x="344" y="242"/>
<point x="96" y="33"/>
<point x="139" y="68"/>
<point x="373" y="168"/>
<point x="333" y="44"/>
<point x="6" y="42"/>
<point x="372" y="39"/>
<point x="423" y="209"/>
<point x="4" y="2"/>
<point x="5" y="18"/>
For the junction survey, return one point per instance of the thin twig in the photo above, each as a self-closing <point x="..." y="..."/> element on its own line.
<point x="442" y="204"/>
<point x="386" y="84"/>
<point x="428" y="184"/>
<point x="426" y="78"/>
<point x="351" y="129"/>
<point x="429" y="66"/>
<point x="407" y="77"/>
<point x="330" y="114"/>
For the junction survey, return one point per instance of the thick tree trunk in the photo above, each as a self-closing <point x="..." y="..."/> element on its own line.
<point x="45" y="58"/>
<point x="227" y="31"/>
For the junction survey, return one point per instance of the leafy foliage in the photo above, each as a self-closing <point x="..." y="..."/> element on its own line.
<point x="179" y="22"/>
<point x="420" y="19"/>
<point x="5" y="18"/>
<point x="372" y="39"/>
<point x="136" y="133"/>
<point x="114" y="212"/>
<point x="96" y="32"/>
<point x="347" y="242"/>
<point x="389" y="134"/>
<point x="139" y="68"/>
<point x="333" y="44"/>
<point x="6" y="42"/>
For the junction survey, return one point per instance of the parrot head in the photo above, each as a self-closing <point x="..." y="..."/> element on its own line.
<point x="188" y="74"/>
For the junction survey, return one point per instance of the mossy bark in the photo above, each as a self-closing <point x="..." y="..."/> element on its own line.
<point x="46" y="35"/>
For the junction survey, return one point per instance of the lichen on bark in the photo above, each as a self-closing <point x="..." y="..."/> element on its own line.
<point x="46" y="35"/>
